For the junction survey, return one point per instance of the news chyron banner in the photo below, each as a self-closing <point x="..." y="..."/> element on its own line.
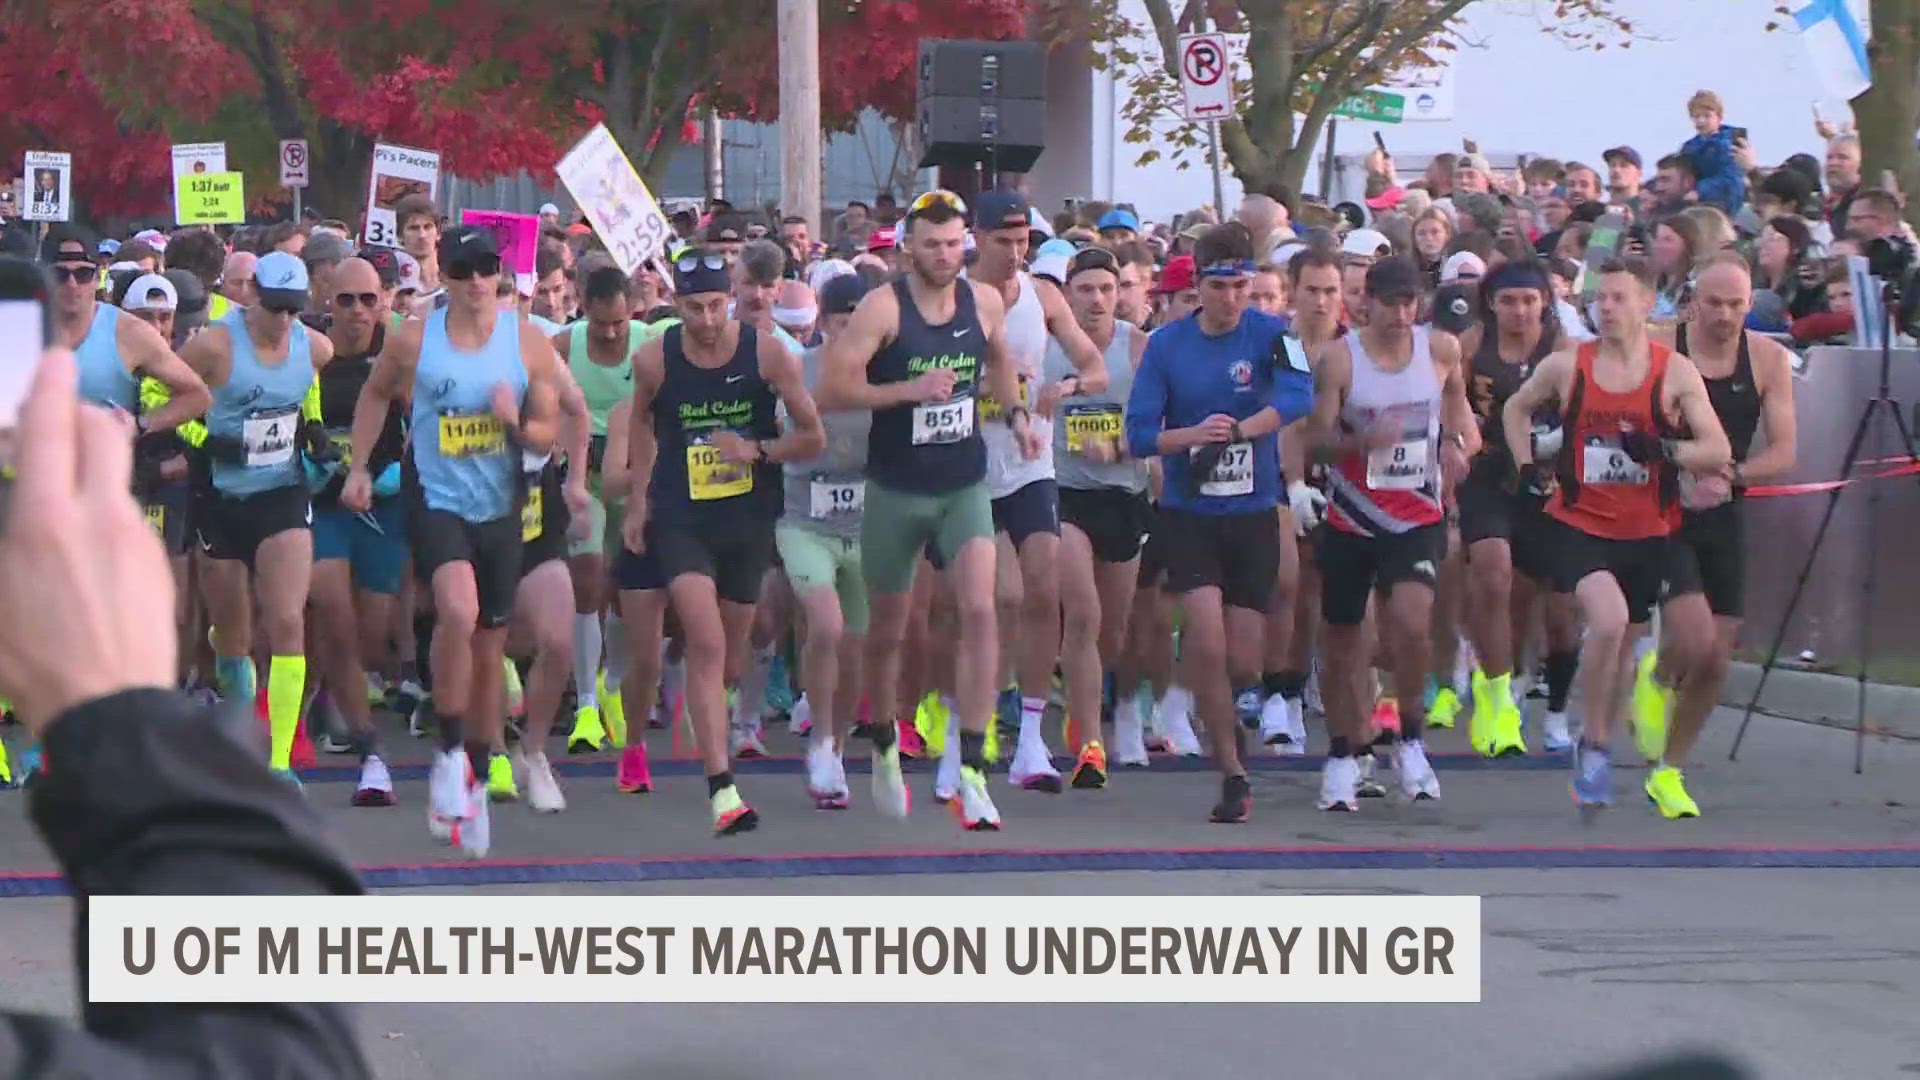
<point x="701" y="949"/>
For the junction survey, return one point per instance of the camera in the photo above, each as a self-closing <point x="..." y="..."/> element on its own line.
<point x="1891" y="258"/>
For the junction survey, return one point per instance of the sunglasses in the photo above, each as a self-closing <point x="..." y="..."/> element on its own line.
<point x="281" y="309"/>
<point x="81" y="275"/>
<point x="937" y="197"/>
<point x="687" y="264"/>
<point x="347" y="299"/>
<point x="477" y="266"/>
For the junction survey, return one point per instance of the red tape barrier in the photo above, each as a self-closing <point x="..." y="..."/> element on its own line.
<point x="1905" y="468"/>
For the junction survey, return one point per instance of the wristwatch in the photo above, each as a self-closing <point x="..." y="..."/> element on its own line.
<point x="760" y="452"/>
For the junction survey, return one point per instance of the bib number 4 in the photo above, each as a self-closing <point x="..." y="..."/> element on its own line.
<point x="268" y="438"/>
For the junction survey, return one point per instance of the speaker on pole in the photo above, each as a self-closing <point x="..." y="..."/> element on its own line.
<point x="982" y="105"/>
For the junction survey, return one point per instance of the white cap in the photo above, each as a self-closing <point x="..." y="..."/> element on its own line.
<point x="124" y="267"/>
<point x="1367" y="243"/>
<point x="826" y="270"/>
<point x="1052" y="265"/>
<point x="547" y="208"/>
<point x="1462" y="264"/>
<point x="1038" y="221"/>
<point x="409" y="272"/>
<point x="139" y="296"/>
<point x="1283" y="254"/>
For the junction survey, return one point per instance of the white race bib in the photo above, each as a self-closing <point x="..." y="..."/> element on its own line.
<point x="942" y="422"/>
<point x="1233" y="473"/>
<point x="831" y="499"/>
<point x="268" y="437"/>
<point x="1400" y="467"/>
<point x="1604" y="462"/>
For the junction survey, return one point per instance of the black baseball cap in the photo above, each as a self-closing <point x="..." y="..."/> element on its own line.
<point x="65" y="246"/>
<point x="1393" y="278"/>
<point x="840" y="295"/>
<point x="386" y="265"/>
<point x="726" y="229"/>
<point x="1001" y="209"/>
<point x="1624" y="153"/>
<point x="466" y="242"/>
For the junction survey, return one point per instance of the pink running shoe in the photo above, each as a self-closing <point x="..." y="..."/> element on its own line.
<point x="633" y="777"/>
<point x="1386" y="716"/>
<point x="911" y="744"/>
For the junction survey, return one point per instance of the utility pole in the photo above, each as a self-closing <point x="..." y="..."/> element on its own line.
<point x="799" y="45"/>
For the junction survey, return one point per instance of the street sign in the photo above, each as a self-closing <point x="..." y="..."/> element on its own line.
<point x="293" y="163"/>
<point x="1376" y="105"/>
<point x="1206" y="76"/>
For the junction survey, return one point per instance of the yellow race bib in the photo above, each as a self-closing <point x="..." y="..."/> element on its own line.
<point x="472" y="435"/>
<point x="343" y="442"/>
<point x="1089" y="423"/>
<point x="157" y="517"/>
<point x="992" y="410"/>
<point x="712" y="476"/>
<point x="533" y="515"/>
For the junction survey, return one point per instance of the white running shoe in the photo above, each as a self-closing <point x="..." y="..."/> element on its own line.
<point x="1276" y="726"/>
<point x="1297" y="726"/>
<point x="1032" y="768"/>
<point x="447" y="792"/>
<point x="826" y="776"/>
<point x="946" y="779"/>
<point x="1555" y="733"/>
<point x="1366" y="787"/>
<point x="975" y="807"/>
<point x="474" y="834"/>
<point x="1339" y="785"/>
<point x="376" y="783"/>
<point x="743" y="737"/>
<point x="800" y="719"/>
<point x="1310" y="697"/>
<point x="1148" y="707"/>
<point x="1417" y="780"/>
<point x="1176" y="723"/>
<point x="1129" y="735"/>
<point x="543" y="791"/>
<point x="890" y="795"/>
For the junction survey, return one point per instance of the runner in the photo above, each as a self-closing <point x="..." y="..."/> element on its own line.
<point x="704" y="430"/>
<point x="819" y="542"/>
<point x="917" y="356"/>
<point x="1210" y="397"/>
<point x="1617" y="482"/>
<point x="359" y="560"/>
<point x="1103" y="509"/>
<point x="483" y="390"/>
<point x="1026" y="497"/>
<point x="1391" y="402"/>
<point x="1502" y="523"/>
<point x="252" y="512"/>
<point x="1749" y="380"/>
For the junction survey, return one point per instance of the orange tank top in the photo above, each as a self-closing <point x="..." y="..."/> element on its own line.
<point x="1603" y="492"/>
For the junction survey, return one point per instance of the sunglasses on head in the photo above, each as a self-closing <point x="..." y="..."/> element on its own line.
<point x="472" y="267"/>
<point x="82" y="275"/>
<point x="687" y="264"/>
<point x="938" y="197"/>
<point x="347" y="299"/>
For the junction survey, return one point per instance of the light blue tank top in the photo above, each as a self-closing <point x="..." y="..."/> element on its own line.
<point x="104" y="378"/>
<point x="260" y="406"/>
<point x="466" y="463"/>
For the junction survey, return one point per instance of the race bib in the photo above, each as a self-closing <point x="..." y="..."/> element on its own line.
<point x="1089" y="423"/>
<point x="1606" y="463"/>
<point x="533" y="515"/>
<point x="157" y="517"/>
<point x="1233" y="473"/>
<point x="831" y="499"/>
<point x="471" y="435"/>
<point x="1400" y="467"/>
<point x="711" y="476"/>
<point x="991" y="410"/>
<point x="945" y="422"/>
<point x="343" y="442"/>
<point x="268" y="437"/>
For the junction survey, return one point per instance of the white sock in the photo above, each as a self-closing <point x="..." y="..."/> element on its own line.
<point x="1032" y="712"/>
<point x="586" y="660"/>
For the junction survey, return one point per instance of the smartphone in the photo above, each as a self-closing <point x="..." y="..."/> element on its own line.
<point x="24" y="330"/>
<point x="1737" y="134"/>
<point x="1380" y="142"/>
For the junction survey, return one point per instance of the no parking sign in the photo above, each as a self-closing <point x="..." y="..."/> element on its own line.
<point x="1206" y="76"/>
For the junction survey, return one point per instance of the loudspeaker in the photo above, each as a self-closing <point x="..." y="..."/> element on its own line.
<point x="982" y="102"/>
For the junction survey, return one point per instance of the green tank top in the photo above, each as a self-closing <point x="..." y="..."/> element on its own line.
<point x="604" y="386"/>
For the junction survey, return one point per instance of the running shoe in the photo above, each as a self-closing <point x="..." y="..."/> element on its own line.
<point x="975" y="807"/>
<point x="1508" y="738"/>
<point x="930" y="722"/>
<point x="6" y="769"/>
<point x="908" y="739"/>
<point x="1176" y="723"/>
<point x="890" y="795"/>
<point x="446" y="792"/>
<point x="632" y="776"/>
<point x="301" y="756"/>
<point x="1236" y="802"/>
<point x="1276" y="725"/>
<point x="588" y="732"/>
<point x="1592" y="780"/>
<point x="1481" y="721"/>
<point x="1445" y="710"/>
<point x="800" y="718"/>
<point x="1148" y="707"/>
<point x="543" y="791"/>
<point x="334" y="744"/>
<point x="613" y="711"/>
<point x="946" y="778"/>
<point x="1666" y="789"/>
<point x="1386" y="717"/>
<point x="1365" y="786"/>
<point x="1090" y="772"/>
<point x="1032" y="768"/>
<point x="1247" y="706"/>
<point x="421" y="720"/>
<point x="377" y="688"/>
<point x="743" y="736"/>
<point x="1417" y="780"/>
<point x="1129" y="741"/>
<point x="1555" y="735"/>
<point x="826" y="777"/>
<point x="473" y="834"/>
<point x="376" y="784"/>
<point x="501" y="786"/>
<point x="1339" y="785"/>
<point x="731" y="814"/>
<point x="1651" y="705"/>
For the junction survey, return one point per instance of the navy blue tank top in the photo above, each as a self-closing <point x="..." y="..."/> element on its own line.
<point x="934" y="448"/>
<point x="692" y="484"/>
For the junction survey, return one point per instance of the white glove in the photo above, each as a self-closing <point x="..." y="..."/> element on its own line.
<point x="1308" y="506"/>
<point x="1547" y="441"/>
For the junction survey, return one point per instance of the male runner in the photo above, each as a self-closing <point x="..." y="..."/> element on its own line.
<point x="253" y="514"/>
<point x="1502" y="522"/>
<point x="819" y="543"/>
<point x="482" y="385"/>
<point x="919" y="355"/>
<point x="1391" y="401"/>
<point x="359" y="559"/>
<point x="1210" y="397"/>
<point x="1749" y="380"/>
<point x="1026" y="497"/>
<point x="701" y="534"/>
<point x="1617" y="487"/>
<point x="1103" y="508"/>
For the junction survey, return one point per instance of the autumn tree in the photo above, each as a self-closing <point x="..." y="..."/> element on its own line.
<point x="1887" y="113"/>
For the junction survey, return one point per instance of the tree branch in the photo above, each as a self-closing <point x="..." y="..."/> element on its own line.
<point x="1382" y="61"/>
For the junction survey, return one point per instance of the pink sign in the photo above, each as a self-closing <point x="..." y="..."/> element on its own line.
<point x="516" y="235"/>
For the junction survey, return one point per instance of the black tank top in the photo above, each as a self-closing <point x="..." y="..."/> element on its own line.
<point x="340" y="384"/>
<point x="1491" y="382"/>
<point x="937" y="448"/>
<point x="1736" y="398"/>
<point x="692" y="484"/>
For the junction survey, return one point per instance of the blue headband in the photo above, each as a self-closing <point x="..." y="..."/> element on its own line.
<point x="1228" y="268"/>
<point x="1518" y="274"/>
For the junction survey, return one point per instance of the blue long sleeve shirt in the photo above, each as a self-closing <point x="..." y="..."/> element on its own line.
<point x="1718" y="178"/>
<point x="1186" y="376"/>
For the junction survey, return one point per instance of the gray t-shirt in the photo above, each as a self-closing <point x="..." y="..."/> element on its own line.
<point x="1094" y="416"/>
<point x="828" y="493"/>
